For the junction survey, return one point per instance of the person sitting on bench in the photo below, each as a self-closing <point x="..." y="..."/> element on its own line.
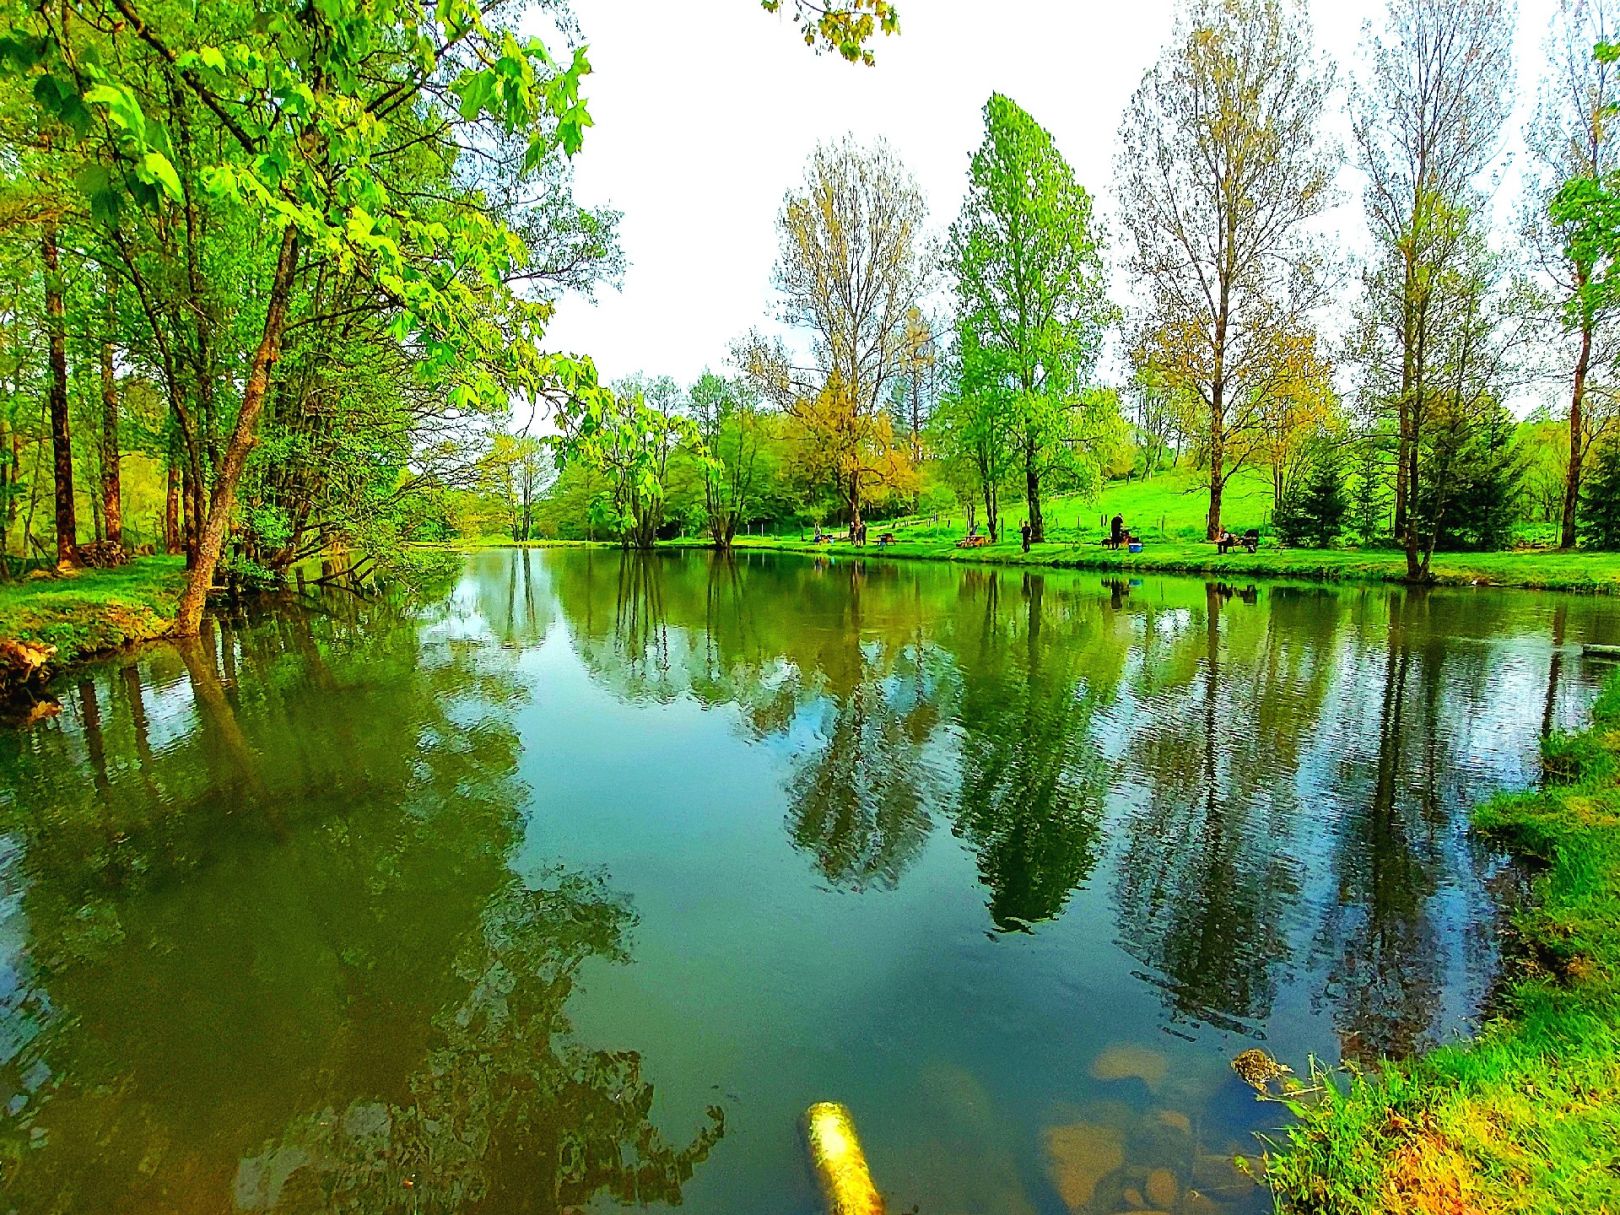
<point x="1249" y="540"/>
<point x="1117" y="535"/>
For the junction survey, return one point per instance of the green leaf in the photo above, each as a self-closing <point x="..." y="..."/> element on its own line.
<point x="157" y="164"/>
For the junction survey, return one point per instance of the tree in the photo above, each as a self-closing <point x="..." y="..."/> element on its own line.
<point x="67" y="551"/>
<point x="302" y="129"/>
<point x="1600" y="499"/>
<point x="1427" y="120"/>
<point x="1567" y="141"/>
<point x="975" y="429"/>
<point x="1155" y="419"/>
<point x="1369" y="501"/>
<point x="726" y="414"/>
<point x="1465" y="472"/>
<point x="846" y="28"/>
<point x="1294" y="410"/>
<point x="1468" y="497"/>
<point x="850" y="268"/>
<point x="112" y="507"/>
<point x="521" y="469"/>
<point x="1222" y="166"/>
<point x="1312" y="509"/>
<point x="629" y="437"/>
<point x="915" y="394"/>
<point x="1026" y="254"/>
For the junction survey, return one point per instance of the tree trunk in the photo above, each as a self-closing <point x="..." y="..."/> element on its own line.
<point x="1577" y="436"/>
<point x="61" y="435"/>
<point x="188" y="613"/>
<point x="1217" y="456"/>
<point x="112" y="503"/>
<point x="1032" y="490"/>
<point x="1414" y="562"/>
<point x="171" y="510"/>
<point x="1401" y="446"/>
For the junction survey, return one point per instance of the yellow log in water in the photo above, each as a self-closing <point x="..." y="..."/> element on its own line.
<point x="835" y="1151"/>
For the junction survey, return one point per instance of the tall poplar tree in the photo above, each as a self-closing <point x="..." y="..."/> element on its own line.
<point x="1026" y="252"/>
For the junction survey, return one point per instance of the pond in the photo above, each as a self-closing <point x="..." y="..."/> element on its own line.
<point x="569" y="887"/>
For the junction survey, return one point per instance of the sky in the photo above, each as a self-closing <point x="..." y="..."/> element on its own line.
<point x="705" y="111"/>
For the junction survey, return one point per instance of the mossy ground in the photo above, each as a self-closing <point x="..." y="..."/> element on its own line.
<point x="89" y="611"/>
<point x="1526" y="1117"/>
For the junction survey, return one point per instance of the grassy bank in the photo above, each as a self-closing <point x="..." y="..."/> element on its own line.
<point x="1525" y="1118"/>
<point x="1167" y="512"/>
<point x="1544" y="570"/>
<point x="91" y="611"/>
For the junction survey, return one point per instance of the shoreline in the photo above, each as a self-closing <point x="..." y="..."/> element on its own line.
<point x="1525" y="1115"/>
<point x="85" y="615"/>
<point x="1582" y="572"/>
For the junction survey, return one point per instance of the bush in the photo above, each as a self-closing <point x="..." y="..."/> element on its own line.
<point x="1312" y="511"/>
<point x="1600" y="499"/>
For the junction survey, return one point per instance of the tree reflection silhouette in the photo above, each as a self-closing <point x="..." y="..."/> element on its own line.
<point x="1203" y="885"/>
<point x="1033" y="778"/>
<point x="1386" y="961"/>
<point x="858" y="795"/>
<point x="301" y="1011"/>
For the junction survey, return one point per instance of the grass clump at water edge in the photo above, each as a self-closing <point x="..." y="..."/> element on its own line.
<point x="1526" y="1117"/>
<point x="92" y="610"/>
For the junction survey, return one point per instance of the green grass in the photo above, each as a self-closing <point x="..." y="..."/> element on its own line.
<point x="1170" y="506"/>
<point x="1525" y="1118"/>
<point x="1538" y="569"/>
<point x="1168" y="514"/>
<point x="92" y="610"/>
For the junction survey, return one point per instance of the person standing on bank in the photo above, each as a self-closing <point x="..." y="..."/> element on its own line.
<point x="1024" y="532"/>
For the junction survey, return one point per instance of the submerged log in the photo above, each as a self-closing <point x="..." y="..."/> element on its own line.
<point x="840" y="1164"/>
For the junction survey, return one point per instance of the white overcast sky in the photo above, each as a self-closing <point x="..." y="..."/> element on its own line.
<point x="706" y="109"/>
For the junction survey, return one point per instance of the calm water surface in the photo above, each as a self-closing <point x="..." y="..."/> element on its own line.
<point x="569" y="888"/>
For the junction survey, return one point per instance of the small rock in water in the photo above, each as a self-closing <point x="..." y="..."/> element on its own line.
<point x="1219" y="1176"/>
<point x="1125" y="1060"/>
<point x="1134" y="1199"/>
<point x="1175" y="1120"/>
<point x="1162" y="1190"/>
<point x="1080" y="1155"/>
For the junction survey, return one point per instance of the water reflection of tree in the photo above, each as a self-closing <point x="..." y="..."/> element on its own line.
<point x="498" y="1117"/>
<point x="508" y="590"/>
<point x="858" y="795"/>
<point x="1206" y="881"/>
<point x="1386" y="961"/>
<point x="1033" y="777"/>
<point x="293" y="898"/>
<point x="847" y="673"/>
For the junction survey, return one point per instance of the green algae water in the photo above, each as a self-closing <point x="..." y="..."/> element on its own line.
<point x="569" y="888"/>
